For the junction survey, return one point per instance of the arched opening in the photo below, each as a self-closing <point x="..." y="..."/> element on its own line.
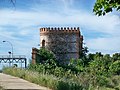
<point x="43" y="43"/>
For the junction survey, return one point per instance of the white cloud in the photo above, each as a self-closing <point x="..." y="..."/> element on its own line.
<point x="67" y="3"/>
<point x="105" y="44"/>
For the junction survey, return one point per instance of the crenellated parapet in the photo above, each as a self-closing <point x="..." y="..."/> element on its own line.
<point x="65" y="42"/>
<point x="60" y="30"/>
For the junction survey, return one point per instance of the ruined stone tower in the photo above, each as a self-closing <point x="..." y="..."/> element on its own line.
<point x="65" y="43"/>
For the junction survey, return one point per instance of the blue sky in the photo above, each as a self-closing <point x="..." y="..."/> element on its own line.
<point x="20" y="24"/>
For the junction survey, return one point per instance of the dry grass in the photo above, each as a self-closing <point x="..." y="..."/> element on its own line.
<point x="1" y="88"/>
<point x="46" y="80"/>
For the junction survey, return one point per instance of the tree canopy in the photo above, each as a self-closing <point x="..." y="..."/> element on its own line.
<point x="102" y="7"/>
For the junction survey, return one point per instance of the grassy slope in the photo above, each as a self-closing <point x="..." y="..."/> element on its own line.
<point x="1" y="88"/>
<point x="49" y="81"/>
<point x="57" y="83"/>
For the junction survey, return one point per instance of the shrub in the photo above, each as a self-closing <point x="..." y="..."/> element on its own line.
<point x="115" y="67"/>
<point x="43" y="55"/>
<point x="1" y="88"/>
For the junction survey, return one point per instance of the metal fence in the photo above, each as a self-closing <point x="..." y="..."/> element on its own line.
<point x="14" y="56"/>
<point x="13" y="59"/>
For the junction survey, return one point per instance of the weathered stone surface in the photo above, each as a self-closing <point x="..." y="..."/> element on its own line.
<point x="65" y="42"/>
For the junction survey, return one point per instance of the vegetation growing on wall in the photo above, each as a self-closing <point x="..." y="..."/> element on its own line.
<point x="44" y="55"/>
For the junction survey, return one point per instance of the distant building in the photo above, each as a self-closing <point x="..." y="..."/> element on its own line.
<point x="65" y="43"/>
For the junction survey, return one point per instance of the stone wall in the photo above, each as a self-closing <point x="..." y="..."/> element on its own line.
<point x="66" y="43"/>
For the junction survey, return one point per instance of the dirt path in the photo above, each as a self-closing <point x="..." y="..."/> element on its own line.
<point x="14" y="83"/>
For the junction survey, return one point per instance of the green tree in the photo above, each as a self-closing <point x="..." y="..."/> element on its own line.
<point x="44" y="55"/>
<point x="98" y="69"/>
<point x="83" y="55"/>
<point x="115" y="67"/>
<point x="102" y="7"/>
<point x="116" y="56"/>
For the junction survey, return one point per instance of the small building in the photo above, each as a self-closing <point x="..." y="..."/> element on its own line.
<point x="65" y="43"/>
